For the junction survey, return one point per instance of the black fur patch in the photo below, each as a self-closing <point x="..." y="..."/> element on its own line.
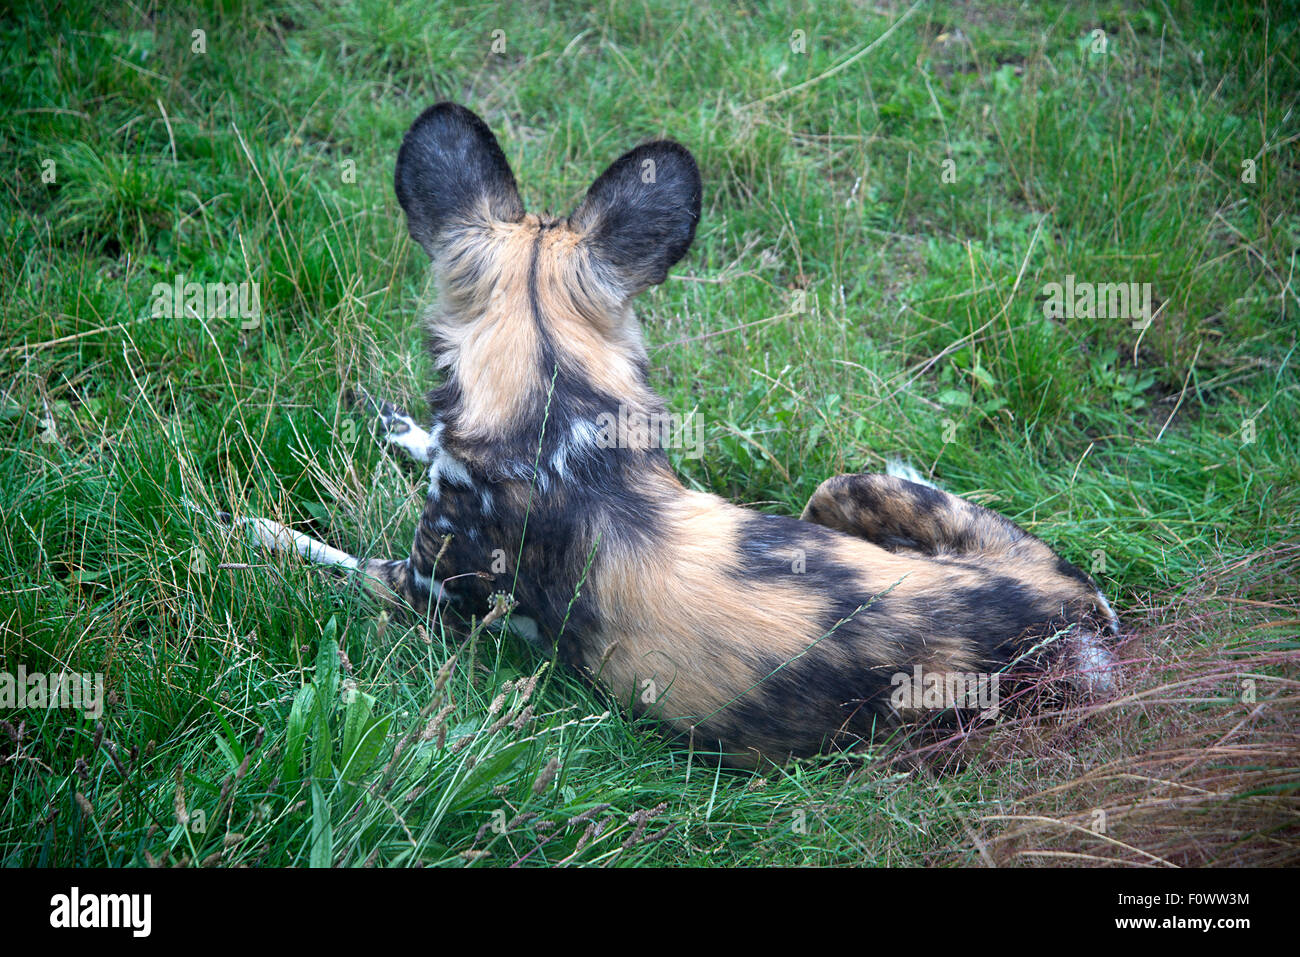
<point x="813" y="701"/>
<point x="640" y="215"/>
<point x="448" y="162"/>
<point x="1000" y="615"/>
<point x="776" y="548"/>
<point x="1068" y="570"/>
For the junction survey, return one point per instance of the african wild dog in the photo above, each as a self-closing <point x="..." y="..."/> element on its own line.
<point x="760" y="634"/>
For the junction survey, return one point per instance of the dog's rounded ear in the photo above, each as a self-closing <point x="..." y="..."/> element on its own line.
<point x="639" y="217"/>
<point x="450" y="170"/>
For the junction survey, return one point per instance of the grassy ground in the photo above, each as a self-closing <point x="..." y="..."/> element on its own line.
<point x="851" y="296"/>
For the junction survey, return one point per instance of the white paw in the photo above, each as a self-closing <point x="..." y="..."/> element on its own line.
<point x="397" y="428"/>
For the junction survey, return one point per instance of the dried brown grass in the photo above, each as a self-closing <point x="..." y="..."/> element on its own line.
<point x="1194" y="762"/>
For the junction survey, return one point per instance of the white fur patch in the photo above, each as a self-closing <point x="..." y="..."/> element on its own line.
<point x="430" y="584"/>
<point x="414" y="441"/>
<point x="1096" y="670"/>
<point x="1112" y="620"/>
<point x="584" y="434"/>
<point x="446" y="468"/>
<point x="560" y="460"/>
<point x="582" y="440"/>
<point x="277" y="537"/>
<point x="402" y="431"/>
<point x="900" y="469"/>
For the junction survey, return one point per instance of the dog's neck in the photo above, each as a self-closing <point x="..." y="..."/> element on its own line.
<point x="535" y="354"/>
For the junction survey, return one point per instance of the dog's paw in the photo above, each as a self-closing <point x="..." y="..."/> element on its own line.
<point x="392" y="425"/>
<point x="388" y="418"/>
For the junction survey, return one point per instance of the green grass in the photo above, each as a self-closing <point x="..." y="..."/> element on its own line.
<point x="1164" y="460"/>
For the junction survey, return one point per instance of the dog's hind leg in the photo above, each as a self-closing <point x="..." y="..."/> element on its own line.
<point x="901" y="514"/>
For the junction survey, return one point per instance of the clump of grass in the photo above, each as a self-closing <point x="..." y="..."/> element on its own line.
<point x="1194" y="762"/>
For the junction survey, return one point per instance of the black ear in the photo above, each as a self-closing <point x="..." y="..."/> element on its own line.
<point x="451" y="168"/>
<point x="640" y="215"/>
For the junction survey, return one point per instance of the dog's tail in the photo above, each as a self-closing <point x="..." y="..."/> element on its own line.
<point x="903" y="512"/>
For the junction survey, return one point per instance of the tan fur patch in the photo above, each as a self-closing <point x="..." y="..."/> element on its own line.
<point x="484" y="319"/>
<point x="587" y="320"/>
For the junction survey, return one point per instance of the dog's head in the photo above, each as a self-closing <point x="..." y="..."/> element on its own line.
<point x="523" y="299"/>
